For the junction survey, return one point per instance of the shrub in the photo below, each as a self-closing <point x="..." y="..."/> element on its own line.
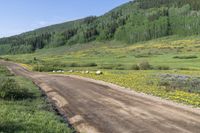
<point x="90" y="65"/>
<point x="73" y="65"/>
<point x="7" y="59"/>
<point x="10" y="89"/>
<point x="135" y="67"/>
<point x="46" y="68"/>
<point x="180" y="82"/>
<point x="112" y="66"/>
<point x="144" y="65"/>
<point x="162" y="67"/>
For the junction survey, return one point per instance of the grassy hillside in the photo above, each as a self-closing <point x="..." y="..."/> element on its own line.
<point x="136" y="21"/>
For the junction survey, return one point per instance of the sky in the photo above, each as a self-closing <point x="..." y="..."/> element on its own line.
<point x="17" y="16"/>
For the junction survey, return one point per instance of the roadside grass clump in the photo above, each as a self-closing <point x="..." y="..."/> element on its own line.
<point x="20" y="112"/>
<point x="45" y="68"/>
<point x="10" y="90"/>
<point x="48" y="66"/>
<point x="55" y="66"/>
<point x="7" y="59"/>
<point x="186" y="57"/>
<point x="4" y="71"/>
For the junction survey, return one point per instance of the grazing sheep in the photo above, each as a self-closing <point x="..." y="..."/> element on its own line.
<point x="71" y="71"/>
<point x="59" y="71"/>
<point x="99" y="72"/>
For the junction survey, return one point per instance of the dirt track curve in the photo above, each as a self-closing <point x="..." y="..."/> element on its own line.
<point x="98" y="107"/>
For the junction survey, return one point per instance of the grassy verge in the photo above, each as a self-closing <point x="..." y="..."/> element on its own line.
<point x="23" y="109"/>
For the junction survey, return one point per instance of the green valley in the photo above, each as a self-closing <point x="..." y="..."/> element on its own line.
<point x="151" y="47"/>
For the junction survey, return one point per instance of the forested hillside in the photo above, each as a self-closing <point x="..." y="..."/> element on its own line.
<point x="138" y="20"/>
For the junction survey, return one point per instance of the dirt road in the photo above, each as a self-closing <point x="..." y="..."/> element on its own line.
<point x="97" y="107"/>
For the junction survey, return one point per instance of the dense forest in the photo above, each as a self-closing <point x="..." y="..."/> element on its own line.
<point x="138" y="20"/>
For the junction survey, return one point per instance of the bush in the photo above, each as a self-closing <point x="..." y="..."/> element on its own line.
<point x="180" y="82"/>
<point x="144" y="65"/>
<point x="162" y="68"/>
<point x="135" y="67"/>
<point x="7" y="59"/>
<point x="74" y="65"/>
<point x="90" y="65"/>
<point x="9" y="89"/>
<point x="46" y="68"/>
<point x="113" y="66"/>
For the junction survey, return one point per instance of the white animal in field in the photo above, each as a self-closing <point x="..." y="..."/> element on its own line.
<point x="99" y="72"/>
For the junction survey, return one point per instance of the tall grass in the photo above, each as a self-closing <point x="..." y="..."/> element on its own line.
<point x="24" y="110"/>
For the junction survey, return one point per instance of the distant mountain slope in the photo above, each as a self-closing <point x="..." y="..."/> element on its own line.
<point x="139" y="20"/>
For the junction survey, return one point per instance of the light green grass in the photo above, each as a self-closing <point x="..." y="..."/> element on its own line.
<point x="29" y="115"/>
<point x="157" y="52"/>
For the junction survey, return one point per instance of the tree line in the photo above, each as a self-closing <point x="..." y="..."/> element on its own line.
<point x="139" y="20"/>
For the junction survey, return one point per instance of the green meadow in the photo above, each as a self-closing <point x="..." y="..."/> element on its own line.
<point x="158" y="67"/>
<point x="171" y="52"/>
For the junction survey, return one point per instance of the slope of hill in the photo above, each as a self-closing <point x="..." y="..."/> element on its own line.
<point x="138" y="20"/>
